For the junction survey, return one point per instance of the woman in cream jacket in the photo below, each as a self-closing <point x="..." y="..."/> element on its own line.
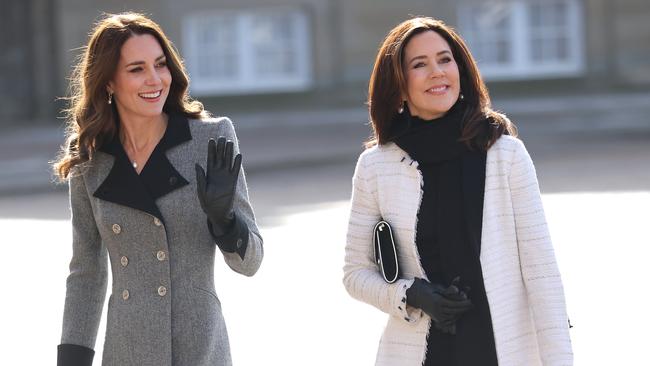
<point x="427" y="99"/>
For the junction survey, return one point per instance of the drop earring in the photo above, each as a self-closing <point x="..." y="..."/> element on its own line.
<point x="400" y="110"/>
<point x="461" y="97"/>
<point x="110" y="98"/>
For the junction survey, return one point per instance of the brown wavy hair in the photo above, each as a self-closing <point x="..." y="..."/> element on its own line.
<point x="481" y="126"/>
<point x="91" y="121"/>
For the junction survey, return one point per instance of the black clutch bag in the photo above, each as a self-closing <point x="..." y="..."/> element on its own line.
<point x="385" y="251"/>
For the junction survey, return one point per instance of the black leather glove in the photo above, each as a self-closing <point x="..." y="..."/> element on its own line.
<point x="443" y="304"/>
<point x="453" y="292"/>
<point x="216" y="189"/>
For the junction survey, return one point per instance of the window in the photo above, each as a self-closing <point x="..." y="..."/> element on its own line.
<point x="239" y="52"/>
<point x="524" y="38"/>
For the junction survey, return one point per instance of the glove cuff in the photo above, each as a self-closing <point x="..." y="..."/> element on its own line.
<point x="234" y="239"/>
<point x="415" y="292"/>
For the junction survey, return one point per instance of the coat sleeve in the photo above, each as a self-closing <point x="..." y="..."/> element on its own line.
<point x="538" y="265"/>
<point x="248" y="256"/>
<point x="361" y="276"/>
<point x="86" y="282"/>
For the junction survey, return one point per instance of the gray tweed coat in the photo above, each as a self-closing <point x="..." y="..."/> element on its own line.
<point x="163" y="309"/>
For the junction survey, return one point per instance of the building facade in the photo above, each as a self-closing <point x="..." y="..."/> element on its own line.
<point x="304" y="54"/>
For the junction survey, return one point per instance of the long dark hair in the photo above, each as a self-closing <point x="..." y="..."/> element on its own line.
<point x="481" y="126"/>
<point x="91" y="121"/>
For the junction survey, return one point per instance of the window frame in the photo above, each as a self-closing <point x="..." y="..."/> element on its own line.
<point x="246" y="80"/>
<point x="522" y="65"/>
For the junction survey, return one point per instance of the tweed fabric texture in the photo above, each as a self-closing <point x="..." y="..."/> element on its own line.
<point x="182" y="324"/>
<point x="522" y="280"/>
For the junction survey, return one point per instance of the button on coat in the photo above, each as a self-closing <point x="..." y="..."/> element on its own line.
<point x="161" y="255"/>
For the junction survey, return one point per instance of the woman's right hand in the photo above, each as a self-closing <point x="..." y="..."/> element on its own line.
<point x="216" y="188"/>
<point x="443" y="304"/>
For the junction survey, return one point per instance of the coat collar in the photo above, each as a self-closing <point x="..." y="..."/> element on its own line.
<point x="125" y="187"/>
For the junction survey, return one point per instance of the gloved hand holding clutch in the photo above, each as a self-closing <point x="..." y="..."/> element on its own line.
<point x="216" y="189"/>
<point x="443" y="304"/>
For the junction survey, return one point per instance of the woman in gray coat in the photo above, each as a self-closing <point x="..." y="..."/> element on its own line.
<point x="142" y="200"/>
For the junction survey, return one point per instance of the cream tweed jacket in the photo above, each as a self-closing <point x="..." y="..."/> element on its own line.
<point x="522" y="280"/>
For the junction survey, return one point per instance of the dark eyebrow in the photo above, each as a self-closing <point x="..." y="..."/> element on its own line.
<point x="142" y="62"/>
<point x="424" y="57"/>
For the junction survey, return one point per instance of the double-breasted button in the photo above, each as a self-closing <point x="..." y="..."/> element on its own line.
<point x="156" y="221"/>
<point x="239" y="243"/>
<point x="124" y="261"/>
<point x="162" y="290"/>
<point x="117" y="228"/>
<point x="125" y="294"/>
<point x="173" y="180"/>
<point x="161" y="255"/>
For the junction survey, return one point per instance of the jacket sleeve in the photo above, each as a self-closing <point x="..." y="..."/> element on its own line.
<point x="86" y="283"/>
<point x="538" y="265"/>
<point x="244" y="233"/>
<point x="361" y="276"/>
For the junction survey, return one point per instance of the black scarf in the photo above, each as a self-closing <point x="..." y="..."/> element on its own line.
<point x="449" y="229"/>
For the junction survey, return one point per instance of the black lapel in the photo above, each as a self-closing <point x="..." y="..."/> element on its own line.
<point x="124" y="187"/>
<point x="159" y="177"/>
<point x="473" y="171"/>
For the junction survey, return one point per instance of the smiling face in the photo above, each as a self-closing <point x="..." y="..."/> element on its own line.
<point x="142" y="79"/>
<point x="432" y="77"/>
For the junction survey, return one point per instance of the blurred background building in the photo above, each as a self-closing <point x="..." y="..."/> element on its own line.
<point x="274" y="55"/>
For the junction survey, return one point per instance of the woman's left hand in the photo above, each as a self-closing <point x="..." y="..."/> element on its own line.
<point x="216" y="189"/>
